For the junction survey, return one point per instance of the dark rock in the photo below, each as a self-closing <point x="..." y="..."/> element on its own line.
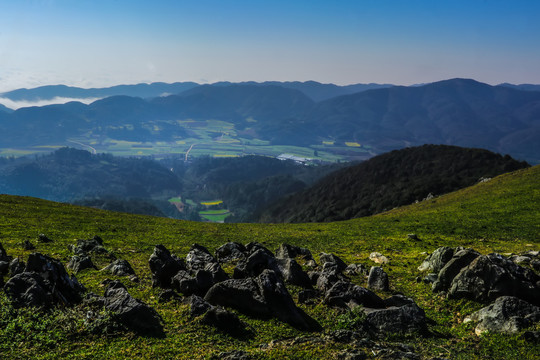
<point x="333" y="259"/>
<point x="42" y="238"/>
<point x="292" y="273"/>
<point x="355" y="354"/>
<point x="377" y="279"/>
<point x="264" y="297"/>
<point x="3" y="255"/>
<point x="436" y="261"/>
<point x="120" y="267"/>
<point x="356" y="269"/>
<point x="231" y="251"/>
<point x="27" y="245"/>
<point x="404" y="319"/>
<point x="184" y="283"/>
<point x="308" y="296"/>
<point x="168" y="295"/>
<point x="490" y="276"/>
<point x="197" y="305"/>
<point x="313" y="277"/>
<point x="344" y="294"/>
<point x="133" y="278"/>
<point x="66" y="290"/>
<point x="254" y="246"/>
<point x="398" y="300"/>
<point x="286" y="251"/>
<point x="430" y="278"/>
<point x="133" y="313"/>
<point x="197" y="257"/>
<point x="254" y="265"/>
<point x="113" y="284"/>
<point x="535" y="264"/>
<point x="224" y="320"/>
<point x="78" y="263"/>
<point x="85" y="247"/>
<point x="164" y="266"/>
<point x="521" y="259"/>
<point x="4" y="268"/>
<point x="217" y="273"/>
<point x="507" y="314"/>
<point x="413" y="236"/>
<point x="532" y="336"/>
<point x="460" y="259"/>
<point x="16" y="266"/>
<point x="29" y="289"/>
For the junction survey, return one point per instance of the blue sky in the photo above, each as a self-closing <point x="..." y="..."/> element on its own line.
<point x="101" y="43"/>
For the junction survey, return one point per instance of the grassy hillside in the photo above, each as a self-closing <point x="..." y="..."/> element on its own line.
<point x="500" y="215"/>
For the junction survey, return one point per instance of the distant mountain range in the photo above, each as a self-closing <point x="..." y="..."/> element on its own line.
<point x="456" y="112"/>
<point x="384" y="182"/>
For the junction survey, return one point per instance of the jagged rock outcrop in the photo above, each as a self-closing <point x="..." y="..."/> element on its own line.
<point x="164" y="266"/>
<point x="286" y="251"/>
<point x="78" y="263"/>
<point x="264" y="296"/>
<point x="120" y="267"/>
<point x="460" y="259"/>
<point x="133" y="313"/>
<point x="507" y="314"/>
<point x="378" y="279"/>
<point x="404" y="318"/>
<point x="231" y="251"/>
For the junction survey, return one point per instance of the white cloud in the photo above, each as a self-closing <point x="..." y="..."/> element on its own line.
<point x="57" y="100"/>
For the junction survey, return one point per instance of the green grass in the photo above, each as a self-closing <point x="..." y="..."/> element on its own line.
<point x="501" y="215"/>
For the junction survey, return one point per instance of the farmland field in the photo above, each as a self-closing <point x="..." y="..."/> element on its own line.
<point x="211" y="137"/>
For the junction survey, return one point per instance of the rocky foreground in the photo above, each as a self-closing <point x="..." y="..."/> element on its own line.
<point x="258" y="287"/>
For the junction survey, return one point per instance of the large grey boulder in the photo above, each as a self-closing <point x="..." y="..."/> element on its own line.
<point x="460" y="259"/>
<point x="3" y="255"/>
<point x="133" y="313"/>
<point x="345" y="294"/>
<point x="491" y="276"/>
<point x="286" y="251"/>
<point x="88" y="246"/>
<point x="120" y="267"/>
<point x="29" y="289"/>
<point x="80" y="262"/>
<point x="378" y="279"/>
<point x="255" y="264"/>
<point x="264" y="296"/>
<point x="231" y="251"/>
<point x="405" y="319"/>
<point x="507" y="314"/>
<point x="164" y="266"/>
<point x="292" y="273"/>
<point x="332" y="259"/>
<point x="436" y="260"/>
<point x="224" y="320"/>
<point x="198" y="256"/>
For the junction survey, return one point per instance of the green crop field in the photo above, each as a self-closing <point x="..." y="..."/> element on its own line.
<point x="501" y="215"/>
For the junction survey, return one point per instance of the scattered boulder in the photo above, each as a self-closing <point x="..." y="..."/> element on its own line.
<point x="168" y="295"/>
<point x="231" y="251"/>
<point x="42" y="238"/>
<point x="489" y="276"/>
<point x="188" y="284"/>
<point x="16" y="266"/>
<point x="197" y="305"/>
<point x="414" y="236"/>
<point x="164" y="266"/>
<point x="89" y="246"/>
<point x="378" y="258"/>
<point x="120" y="268"/>
<point x="224" y="320"/>
<point x="3" y="255"/>
<point x="436" y="260"/>
<point x="377" y="279"/>
<point x="308" y="296"/>
<point x="258" y="261"/>
<point x="286" y="251"/>
<point x="356" y="269"/>
<point x="27" y="245"/>
<point x="66" y="290"/>
<point x="461" y="258"/>
<point x="4" y="268"/>
<point x="292" y="272"/>
<point x="332" y="259"/>
<point x="78" y="263"/>
<point x="29" y="289"/>
<point x="253" y="246"/>
<point x="345" y="294"/>
<point x="521" y="259"/>
<point x="264" y="296"/>
<point x="404" y="319"/>
<point x="133" y="313"/>
<point x="507" y="314"/>
<point x="198" y="256"/>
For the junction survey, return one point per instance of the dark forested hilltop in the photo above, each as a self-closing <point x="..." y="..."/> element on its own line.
<point x="390" y="180"/>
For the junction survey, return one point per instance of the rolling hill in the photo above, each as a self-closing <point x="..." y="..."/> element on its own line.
<point x="500" y="215"/>
<point x="386" y="181"/>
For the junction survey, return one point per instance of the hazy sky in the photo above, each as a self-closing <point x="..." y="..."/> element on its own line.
<point x="106" y="42"/>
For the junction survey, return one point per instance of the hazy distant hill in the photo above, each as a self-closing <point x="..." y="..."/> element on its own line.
<point x="455" y="112"/>
<point x="139" y="90"/>
<point x="526" y="87"/>
<point x="390" y="180"/>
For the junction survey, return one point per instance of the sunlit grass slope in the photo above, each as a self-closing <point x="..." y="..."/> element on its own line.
<point x="501" y="215"/>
